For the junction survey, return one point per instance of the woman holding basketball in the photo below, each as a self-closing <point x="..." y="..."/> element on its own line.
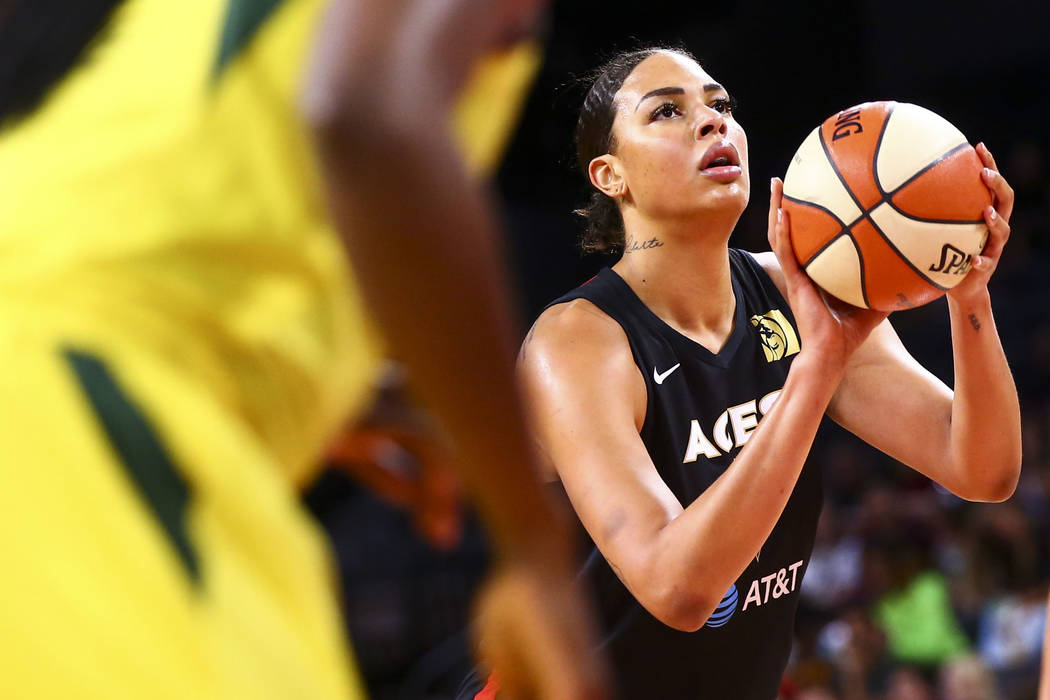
<point x="678" y="393"/>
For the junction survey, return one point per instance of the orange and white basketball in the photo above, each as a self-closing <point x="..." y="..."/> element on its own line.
<point x="885" y="201"/>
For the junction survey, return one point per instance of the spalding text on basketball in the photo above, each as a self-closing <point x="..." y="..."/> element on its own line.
<point x="953" y="261"/>
<point x="847" y="124"/>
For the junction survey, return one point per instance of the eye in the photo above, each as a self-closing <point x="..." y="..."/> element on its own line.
<point x="724" y="105"/>
<point x="665" y="111"/>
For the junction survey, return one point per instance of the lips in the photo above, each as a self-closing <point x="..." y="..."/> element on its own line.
<point x="720" y="155"/>
<point x="721" y="163"/>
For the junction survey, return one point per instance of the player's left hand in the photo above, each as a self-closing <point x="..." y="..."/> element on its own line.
<point x="997" y="217"/>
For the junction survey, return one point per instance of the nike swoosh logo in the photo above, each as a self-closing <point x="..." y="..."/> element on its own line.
<point x="661" y="376"/>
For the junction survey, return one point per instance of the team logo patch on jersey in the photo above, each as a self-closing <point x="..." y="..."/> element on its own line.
<point x="725" y="609"/>
<point x="778" y="336"/>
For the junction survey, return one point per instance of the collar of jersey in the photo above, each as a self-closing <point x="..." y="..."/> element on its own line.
<point x="680" y="342"/>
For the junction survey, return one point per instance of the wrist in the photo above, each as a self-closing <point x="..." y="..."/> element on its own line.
<point x="975" y="301"/>
<point x="821" y="364"/>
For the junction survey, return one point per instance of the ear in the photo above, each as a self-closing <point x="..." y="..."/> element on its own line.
<point x="606" y="173"/>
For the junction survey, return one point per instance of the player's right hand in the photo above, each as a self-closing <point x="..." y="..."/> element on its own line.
<point x="826" y="324"/>
<point x="535" y="629"/>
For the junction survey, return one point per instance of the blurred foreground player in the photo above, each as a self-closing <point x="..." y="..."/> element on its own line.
<point x="181" y="335"/>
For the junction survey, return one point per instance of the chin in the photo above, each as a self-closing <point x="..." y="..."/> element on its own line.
<point x="730" y="198"/>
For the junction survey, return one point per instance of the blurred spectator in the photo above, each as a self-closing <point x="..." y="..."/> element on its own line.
<point x="967" y="678"/>
<point x="914" y="606"/>
<point x="834" y="572"/>
<point x="908" y="684"/>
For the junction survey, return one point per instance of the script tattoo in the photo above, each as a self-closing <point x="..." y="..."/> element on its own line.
<point x="632" y="244"/>
<point x="974" y="322"/>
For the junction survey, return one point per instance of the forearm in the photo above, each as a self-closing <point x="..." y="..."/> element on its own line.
<point x="431" y="271"/>
<point x="985" y="431"/>
<point x="712" y="541"/>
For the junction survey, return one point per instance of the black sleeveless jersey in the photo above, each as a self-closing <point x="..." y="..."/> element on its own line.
<point x="701" y="409"/>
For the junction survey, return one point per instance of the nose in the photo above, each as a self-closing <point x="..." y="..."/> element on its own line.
<point x="710" y="122"/>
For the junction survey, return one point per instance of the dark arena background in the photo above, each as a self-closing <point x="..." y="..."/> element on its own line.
<point x="911" y="594"/>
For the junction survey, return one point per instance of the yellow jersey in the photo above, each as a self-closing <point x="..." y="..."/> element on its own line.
<point x="180" y="334"/>
<point x="166" y="194"/>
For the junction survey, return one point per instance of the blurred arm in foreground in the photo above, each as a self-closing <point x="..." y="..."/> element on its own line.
<point x="423" y="241"/>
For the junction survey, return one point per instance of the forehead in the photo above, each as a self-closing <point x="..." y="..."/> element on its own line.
<point x="662" y="69"/>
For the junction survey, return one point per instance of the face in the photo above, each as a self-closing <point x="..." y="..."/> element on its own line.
<point x="678" y="150"/>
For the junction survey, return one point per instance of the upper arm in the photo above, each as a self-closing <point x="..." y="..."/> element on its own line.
<point x="771" y="266"/>
<point x="586" y="399"/>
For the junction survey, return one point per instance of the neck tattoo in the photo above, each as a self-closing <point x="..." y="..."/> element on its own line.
<point x="632" y="244"/>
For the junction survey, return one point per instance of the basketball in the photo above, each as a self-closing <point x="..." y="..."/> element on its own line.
<point x="885" y="201"/>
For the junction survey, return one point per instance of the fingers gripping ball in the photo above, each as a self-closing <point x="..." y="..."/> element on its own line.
<point x="885" y="201"/>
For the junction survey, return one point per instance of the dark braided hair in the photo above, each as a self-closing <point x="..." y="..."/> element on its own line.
<point x="604" y="232"/>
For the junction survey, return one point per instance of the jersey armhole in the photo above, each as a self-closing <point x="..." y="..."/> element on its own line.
<point x="748" y="260"/>
<point x="635" y="354"/>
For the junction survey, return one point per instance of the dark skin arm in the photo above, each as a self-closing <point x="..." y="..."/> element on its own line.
<point x="423" y="241"/>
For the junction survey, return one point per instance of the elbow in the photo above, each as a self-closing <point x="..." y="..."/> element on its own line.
<point x="1003" y="488"/>
<point x="682" y="609"/>
<point x="997" y="485"/>
<point x="326" y="112"/>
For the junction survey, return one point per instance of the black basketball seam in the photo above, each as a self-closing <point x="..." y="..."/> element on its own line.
<point x="827" y="211"/>
<point x="925" y="168"/>
<point x="888" y="198"/>
<point x="815" y="206"/>
<point x="863" y="276"/>
<point x="912" y="217"/>
<point x="875" y="156"/>
<point x="901" y="255"/>
<point x="847" y="233"/>
<point x="835" y="169"/>
<point x="824" y="247"/>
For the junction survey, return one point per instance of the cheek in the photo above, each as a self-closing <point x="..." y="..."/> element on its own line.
<point x="739" y="139"/>
<point x="658" y="166"/>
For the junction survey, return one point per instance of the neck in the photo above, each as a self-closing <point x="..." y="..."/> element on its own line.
<point x="683" y="277"/>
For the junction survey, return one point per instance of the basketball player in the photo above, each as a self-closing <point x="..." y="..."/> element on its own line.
<point x="678" y="393"/>
<point x="181" y="334"/>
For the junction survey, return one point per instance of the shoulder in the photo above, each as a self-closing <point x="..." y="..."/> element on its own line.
<point x="573" y="329"/>
<point x="575" y="352"/>
<point x="771" y="266"/>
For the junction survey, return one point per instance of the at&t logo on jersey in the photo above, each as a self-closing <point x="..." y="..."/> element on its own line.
<point x="773" y="586"/>
<point x="762" y="591"/>
<point x="725" y="609"/>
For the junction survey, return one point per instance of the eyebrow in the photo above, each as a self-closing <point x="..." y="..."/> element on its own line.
<point x="709" y="87"/>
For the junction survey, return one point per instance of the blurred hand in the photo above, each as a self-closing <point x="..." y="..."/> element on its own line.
<point x="825" y="323"/>
<point x="535" y="629"/>
<point x="397" y="451"/>
<point x="997" y="217"/>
